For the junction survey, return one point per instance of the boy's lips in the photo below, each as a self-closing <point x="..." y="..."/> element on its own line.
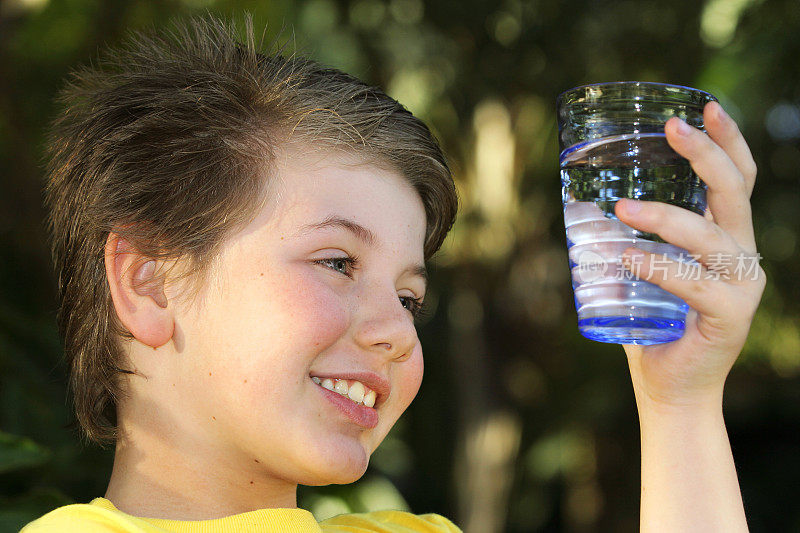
<point x="361" y="415"/>
<point x="351" y="407"/>
<point x="373" y="381"/>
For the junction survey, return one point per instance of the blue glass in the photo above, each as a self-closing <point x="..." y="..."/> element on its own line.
<point x="613" y="146"/>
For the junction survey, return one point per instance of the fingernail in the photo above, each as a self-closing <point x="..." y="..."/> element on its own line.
<point x="631" y="207"/>
<point x="683" y="128"/>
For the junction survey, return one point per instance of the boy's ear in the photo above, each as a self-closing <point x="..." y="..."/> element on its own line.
<point x="138" y="293"/>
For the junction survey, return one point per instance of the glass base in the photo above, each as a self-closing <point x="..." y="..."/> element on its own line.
<point x="631" y="330"/>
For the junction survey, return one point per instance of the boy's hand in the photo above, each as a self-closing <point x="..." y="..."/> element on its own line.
<point x="693" y="368"/>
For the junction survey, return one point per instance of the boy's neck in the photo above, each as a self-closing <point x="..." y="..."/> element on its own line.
<point x="153" y="479"/>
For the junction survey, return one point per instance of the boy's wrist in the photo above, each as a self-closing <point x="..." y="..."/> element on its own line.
<point x="668" y="391"/>
<point x="687" y="408"/>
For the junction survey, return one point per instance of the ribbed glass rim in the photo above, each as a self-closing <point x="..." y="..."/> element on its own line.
<point x="689" y="91"/>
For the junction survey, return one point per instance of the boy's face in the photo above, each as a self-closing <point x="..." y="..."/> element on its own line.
<point x="282" y="305"/>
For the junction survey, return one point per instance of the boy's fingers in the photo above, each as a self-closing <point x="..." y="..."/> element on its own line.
<point x="704" y="289"/>
<point x="728" y="196"/>
<point x="724" y="131"/>
<point x="682" y="228"/>
<point x="693" y="286"/>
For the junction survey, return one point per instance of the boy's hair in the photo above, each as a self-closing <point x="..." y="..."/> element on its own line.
<point x="168" y="142"/>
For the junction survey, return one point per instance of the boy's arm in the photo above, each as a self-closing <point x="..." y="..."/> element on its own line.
<point x="689" y="479"/>
<point x="688" y="476"/>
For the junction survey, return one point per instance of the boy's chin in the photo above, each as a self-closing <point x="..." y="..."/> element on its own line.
<point x="337" y="460"/>
<point x="337" y="474"/>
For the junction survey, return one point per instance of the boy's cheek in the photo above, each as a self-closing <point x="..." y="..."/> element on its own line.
<point x="406" y="383"/>
<point x="289" y="302"/>
<point x="413" y="379"/>
<point x="260" y="325"/>
<point x="311" y="308"/>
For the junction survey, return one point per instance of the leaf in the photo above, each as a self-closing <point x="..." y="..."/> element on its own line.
<point x="20" y="452"/>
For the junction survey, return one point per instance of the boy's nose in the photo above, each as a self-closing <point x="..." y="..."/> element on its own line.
<point x="384" y="326"/>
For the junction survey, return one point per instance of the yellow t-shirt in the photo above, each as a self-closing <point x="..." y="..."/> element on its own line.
<point x="100" y="516"/>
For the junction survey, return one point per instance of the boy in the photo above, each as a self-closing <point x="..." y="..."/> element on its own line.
<point x="241" y="240"/>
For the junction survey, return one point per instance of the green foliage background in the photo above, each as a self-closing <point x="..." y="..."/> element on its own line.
<point x="521" y="424"/>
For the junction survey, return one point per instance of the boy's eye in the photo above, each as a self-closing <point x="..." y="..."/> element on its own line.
<point x="343" y="265"/>
<point x="414" y="305"/>
<point x="348" y="265"/>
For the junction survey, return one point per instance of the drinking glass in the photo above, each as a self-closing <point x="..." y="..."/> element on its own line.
<point x="613" y="146"/>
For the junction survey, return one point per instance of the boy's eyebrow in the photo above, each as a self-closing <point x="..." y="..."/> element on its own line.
<point x="363" y="234"/>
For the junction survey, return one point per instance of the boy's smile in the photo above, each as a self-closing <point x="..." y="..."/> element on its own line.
<point x="300" y="351"/>
<point x="357" y="394"/>
<point x="350" y="404"/>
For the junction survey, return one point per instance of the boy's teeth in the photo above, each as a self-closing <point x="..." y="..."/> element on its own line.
<point x="357" y="392"/>
<point x="369" y="398"/>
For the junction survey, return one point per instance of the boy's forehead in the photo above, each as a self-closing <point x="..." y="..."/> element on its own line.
<point x="323" y="175"/>
<point x="296" y="157"/>
<point x="306" y="187"/>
